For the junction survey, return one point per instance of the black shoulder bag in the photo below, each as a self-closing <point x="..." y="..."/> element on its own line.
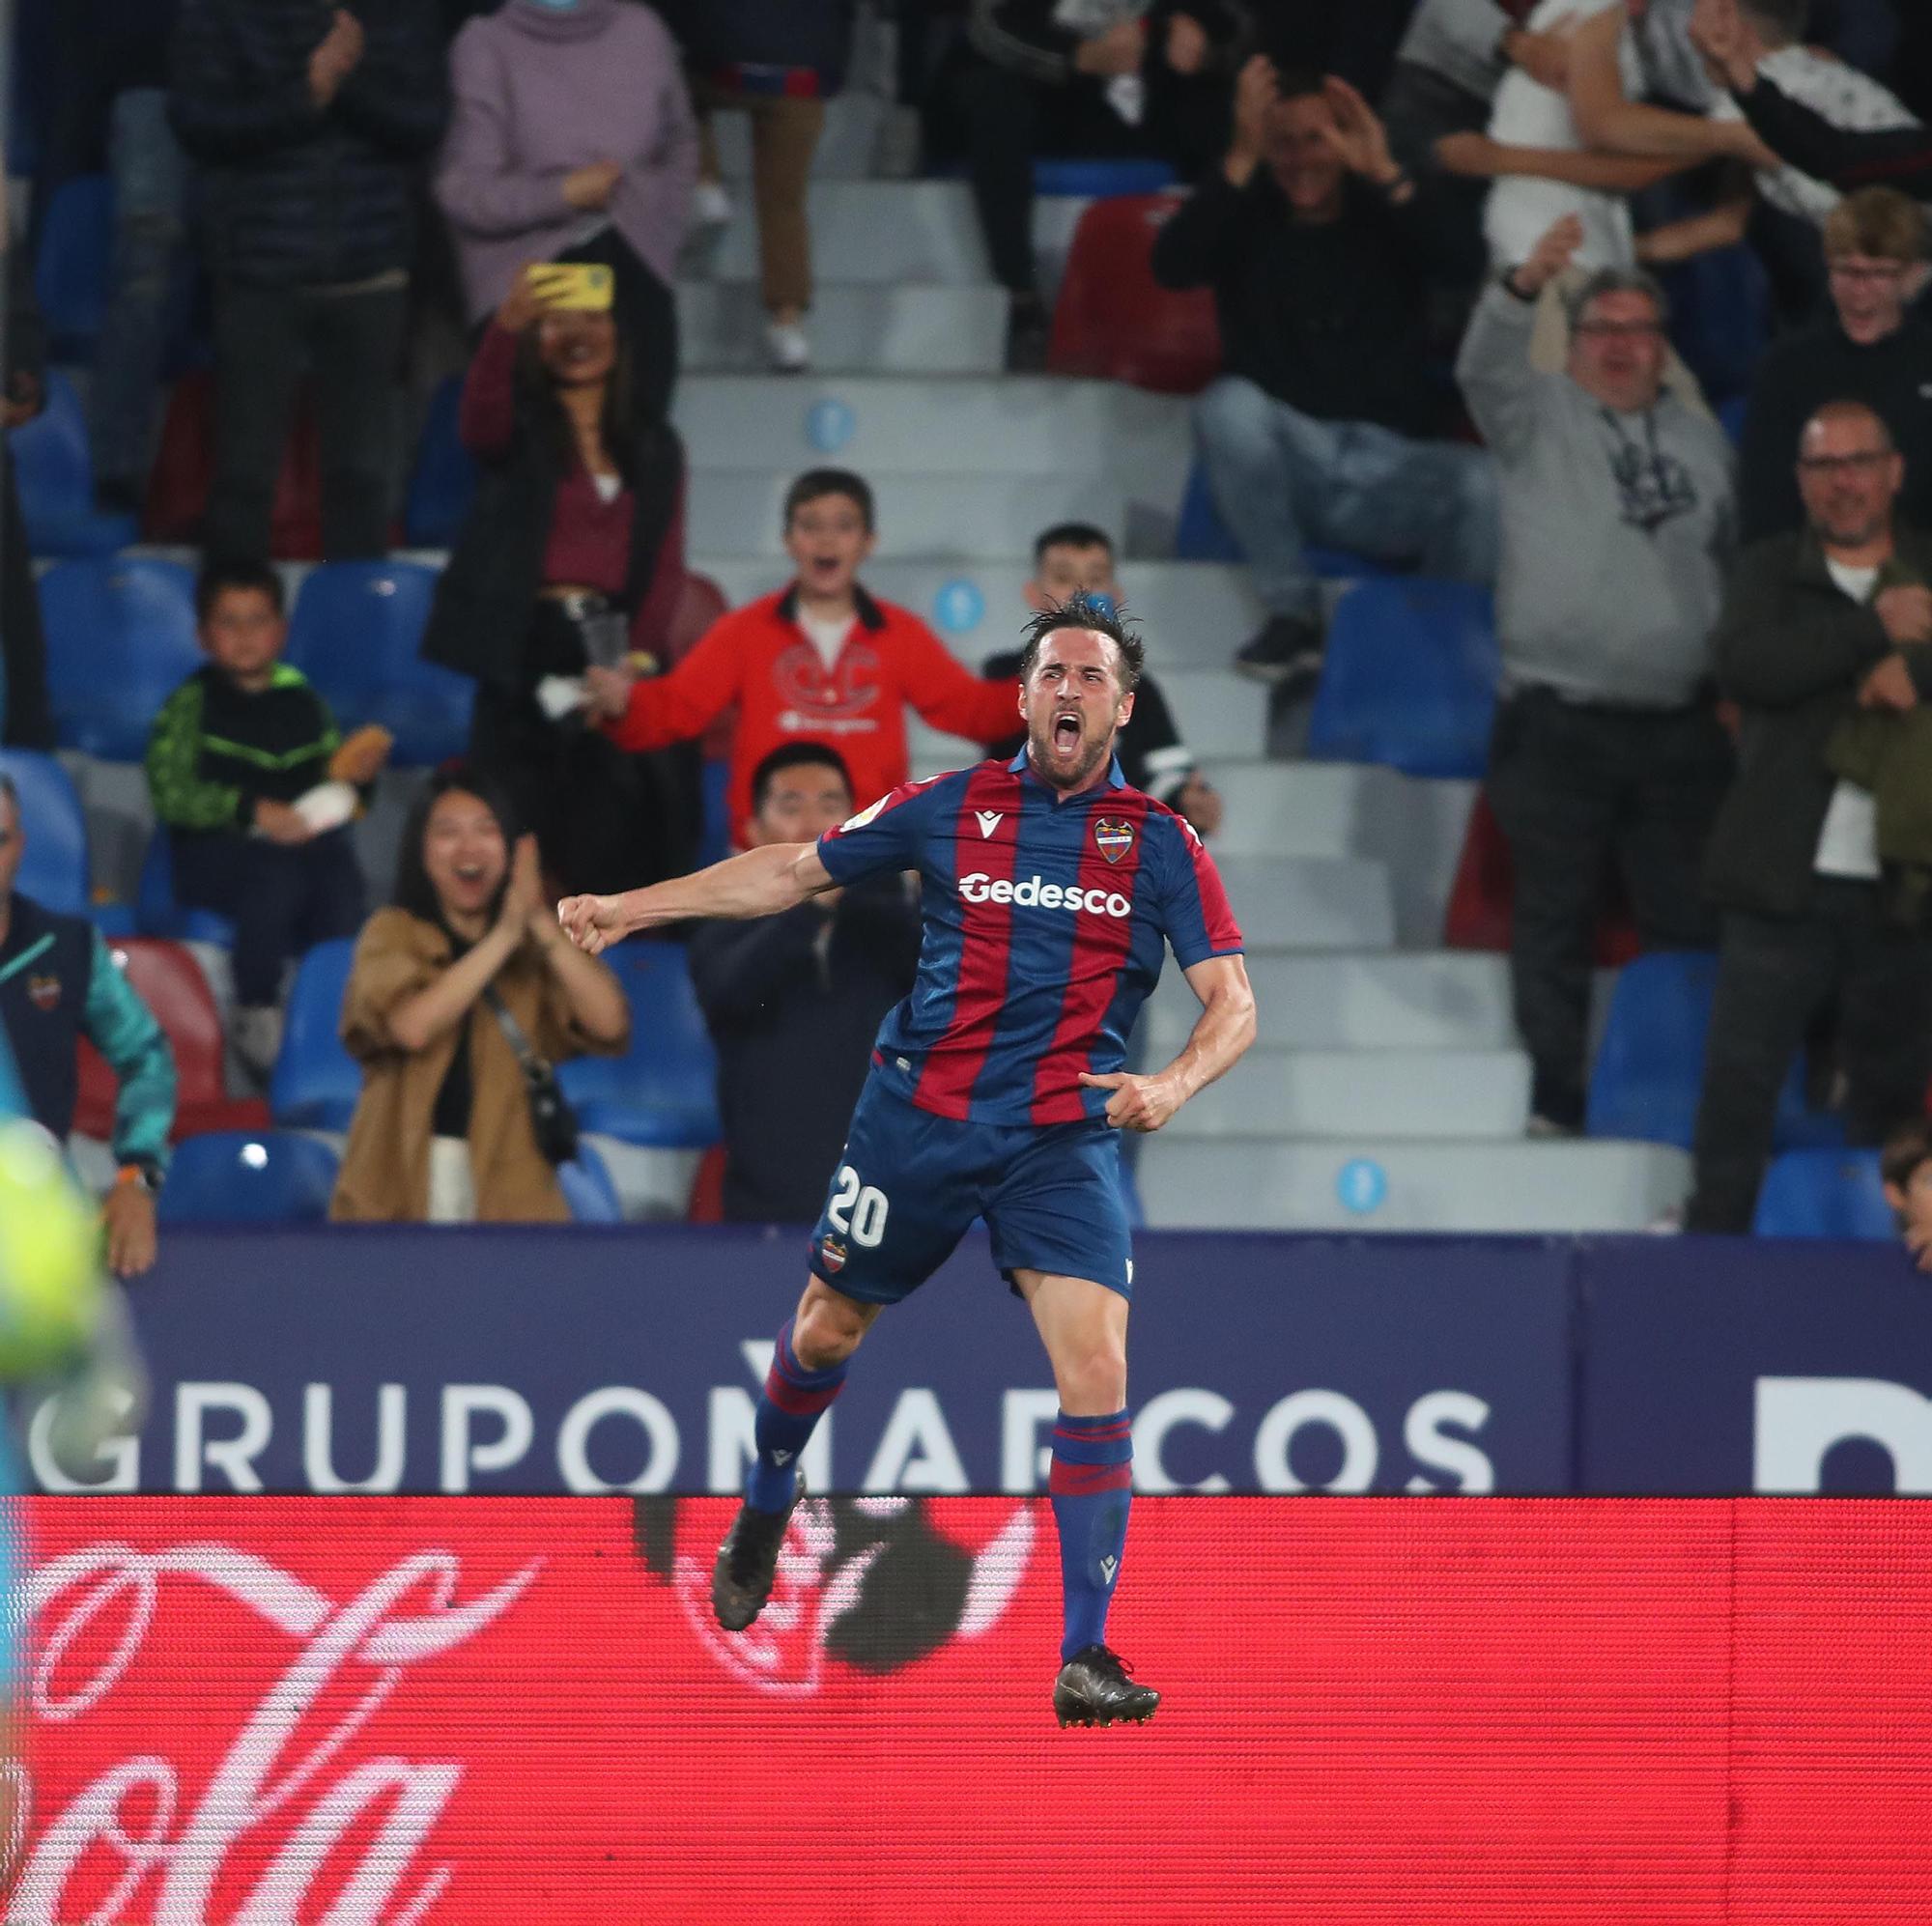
<point x="551" y="1117"/>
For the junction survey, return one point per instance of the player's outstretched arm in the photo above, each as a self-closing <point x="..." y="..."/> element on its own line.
<point x="759" y="883"/>
<point x="1224" y="1030"/>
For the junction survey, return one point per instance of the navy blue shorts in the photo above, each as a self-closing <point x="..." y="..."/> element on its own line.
<point x="909" y="1185"/>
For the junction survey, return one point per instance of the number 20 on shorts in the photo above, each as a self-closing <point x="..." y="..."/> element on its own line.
<point x="857" y="1213"/>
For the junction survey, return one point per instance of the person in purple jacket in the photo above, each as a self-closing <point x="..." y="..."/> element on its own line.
<point x="572" y="130"/>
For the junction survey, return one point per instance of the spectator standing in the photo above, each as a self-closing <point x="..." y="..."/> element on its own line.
<point x="1821" y="627"/>
<point x="573" y="133"/>
<point x="256" y="789"/>
<point x="1099" y="77"/>
<point x="1870" y="347"/>
<point x="778" y="61"/>
<point x="1075" y="558"/>
<point x="794" y="1002"/>
<point x="58" y="983"/>
<point x="1319" y="248"/>
<point x="572" y="554"/>
<point x="25" y="719"/>
<point x="1618" y="520"/>
<point x="310" y="128"/>
<point x="442" y="1131"/>
<point x="110" y="113"/>
<point x="820" y="660"/>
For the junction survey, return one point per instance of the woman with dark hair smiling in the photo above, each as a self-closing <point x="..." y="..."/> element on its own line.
<point x="572" y="556"/>
<point x="469" y="956"/>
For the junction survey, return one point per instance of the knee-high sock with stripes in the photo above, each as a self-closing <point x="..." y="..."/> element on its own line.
<point x="1092" y="1484"/>
<point x="790" y="1405"/>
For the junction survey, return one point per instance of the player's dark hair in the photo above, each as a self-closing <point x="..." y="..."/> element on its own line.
<point x="1905" y="1150"/>
<point x="796" y="756"/>
<point x="414" y="892"/>
<point x="1071" y="536"/>
<point x="223" y="573"/>
<point x="815" y="484"/>
<point x="1081" y="611"/>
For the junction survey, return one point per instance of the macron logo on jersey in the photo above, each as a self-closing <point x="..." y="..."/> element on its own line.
<point x="1037" y="893"/>
<point x="989" y="821"/>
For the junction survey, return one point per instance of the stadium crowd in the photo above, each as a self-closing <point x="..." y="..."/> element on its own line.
<point x="1440" y="242"/>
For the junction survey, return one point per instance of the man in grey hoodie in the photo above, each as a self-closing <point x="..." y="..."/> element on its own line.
<point x="1617" y="522"/>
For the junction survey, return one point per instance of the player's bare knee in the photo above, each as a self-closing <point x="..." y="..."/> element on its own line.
<point x="828" y="1327"/>
<point x="1093" y="1377"/>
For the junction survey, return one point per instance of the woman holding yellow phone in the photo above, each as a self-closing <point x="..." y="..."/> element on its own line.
<point x="572" y="555"/>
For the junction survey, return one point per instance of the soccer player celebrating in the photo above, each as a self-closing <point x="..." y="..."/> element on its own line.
<point x="1048" y="889"/>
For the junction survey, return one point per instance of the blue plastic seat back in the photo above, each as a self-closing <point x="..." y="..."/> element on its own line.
<point x="587" y="1188"/>
<point x="1650" y="1066"/>
<point x="356" y="633"/>
<point x="444" y="480"/>
<point x="240" y="1176"/>
<point x="1410" y="678"/>
<point x="157" y="913"/>
<point x="1824" y="1193"/>
<point x="1099" y="179"/>
<point x="316" y="1082"/>
<point x="662" y="1091"/>
<point x="53" y="867"/>
<point x="121" y="638"/>
<point x="53" y="469"/>
<point x="77" y="251"/>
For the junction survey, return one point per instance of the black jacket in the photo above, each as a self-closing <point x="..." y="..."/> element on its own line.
<point x="794" y="1018"/>
<point x="1328" y="318"/>
<point x="814" y="36"/>
<point x="1848" y="157"/>
<point x="293" y="195"/>
<point x="1797" y="377"/>
<point x="1792" y="649"/>
<point x="1028" y="37"/>
<point x="25" y="719"/>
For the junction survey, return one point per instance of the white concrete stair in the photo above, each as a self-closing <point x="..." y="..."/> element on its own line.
<point x="1433" y="1000"/>
<point x="1368" y="1183"/>
<point x="889" y="232"/>
<point x="855" y="328"/>
<point x="1430" y="1095"/>
<point x="1310" y="903"/>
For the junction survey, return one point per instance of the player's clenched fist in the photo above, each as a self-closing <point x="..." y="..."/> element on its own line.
<point x="591" y="923"/>
<point x="1138" y="1103"/>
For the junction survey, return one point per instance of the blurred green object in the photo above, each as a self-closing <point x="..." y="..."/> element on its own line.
<point x="51" y="1283"/>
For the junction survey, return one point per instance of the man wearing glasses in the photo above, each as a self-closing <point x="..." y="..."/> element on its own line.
<point x="1822" y="859"/>
<point x="1870" y="347"/>
<point x="1617" y="521"/>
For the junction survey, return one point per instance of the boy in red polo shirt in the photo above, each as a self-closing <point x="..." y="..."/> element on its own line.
<point x="819" y="661"/>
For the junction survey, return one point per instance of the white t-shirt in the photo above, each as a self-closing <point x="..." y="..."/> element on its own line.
<point x="827" y="634"/>
<point x="1848" y="841"/>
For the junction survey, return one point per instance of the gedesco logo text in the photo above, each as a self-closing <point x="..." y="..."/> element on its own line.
<point x="1035" y="893"/>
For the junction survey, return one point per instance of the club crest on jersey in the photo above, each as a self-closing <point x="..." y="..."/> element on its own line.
<point x="832" y="1255"/>
<point x="1116" y="837"/>
<point x="44" y="992"/>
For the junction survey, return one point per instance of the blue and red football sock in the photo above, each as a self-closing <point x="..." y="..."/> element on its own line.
<point x="792" y="1403"/>
<point x="1092" y="1484"/>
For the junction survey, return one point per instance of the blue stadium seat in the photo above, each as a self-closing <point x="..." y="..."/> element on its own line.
<point x="53" y="869"/>
<point x="54" y="472"/>
<point x="588" y="1190"/>
<point x="76" y="249"/>
<point x="1731" y="417"/>
<point x="119" y="641"/>
<point x="1410" y="678"/>
<point x="1097" y="179"/>
<point x="1721" y="317"/>
<point x="662" y="1091"/>
<point x="157" y="914"/>
<point x="444" y="476"/>
<point x="356" y="633"/>
<point x="1650" y="1062"/>
<point x="316" y="1081"/>
<point x="714" y="843"/>
<point x="241" y="1176"/>
<point x="1824" y="1193"/>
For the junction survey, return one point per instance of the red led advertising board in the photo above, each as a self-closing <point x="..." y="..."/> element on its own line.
<point x="1429" y="1710"/>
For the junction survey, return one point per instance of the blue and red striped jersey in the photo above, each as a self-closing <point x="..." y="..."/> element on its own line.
<point x="1046" y="927"/>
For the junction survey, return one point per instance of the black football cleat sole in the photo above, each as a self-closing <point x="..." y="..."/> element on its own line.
<point x="1067" y="1719"/>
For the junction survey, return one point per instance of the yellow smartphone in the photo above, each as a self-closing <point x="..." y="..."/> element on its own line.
<point x="583" y="287"/>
